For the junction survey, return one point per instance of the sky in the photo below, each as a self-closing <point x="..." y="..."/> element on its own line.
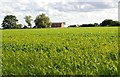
<point x="69" y="11"/>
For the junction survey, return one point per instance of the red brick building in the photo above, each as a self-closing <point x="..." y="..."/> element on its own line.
<point x="57" y="24"/>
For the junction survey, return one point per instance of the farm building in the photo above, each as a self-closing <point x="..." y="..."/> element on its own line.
<point x="57" y="24"/>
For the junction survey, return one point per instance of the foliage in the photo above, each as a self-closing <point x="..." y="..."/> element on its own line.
<point x="34" y="26"/>
<point x="9" y="22"/>
<point x="28" y="20"/>
<point x="106" y="22"/>
<point x="68" y="51"/>
<point x="87" y="25"/>
<point x="96" y="24"/>
<point x="110" y="22"/>
<point x="25" y="27"/>
<point x="42" y="21"/>
<point x="72" y="26"/>
<point x="18" y="26"/>
<point x="115" y="23"/>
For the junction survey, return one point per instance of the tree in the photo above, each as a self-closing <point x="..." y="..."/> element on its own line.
<point x="19" y="26"/>
<point x="106" y="22"/>
<point x="115" y="23"/>
<point x="25" y="27"/>
<point x="109" y="22"/>
<point x="28" y="20"/>
<point x="42" y="21"/>
<point x="87" y="25"/>
<point x="34" y="27"/>
<point x="72" y="26"/>
<point x="96" y="24"/>
<point x="9" y="22"/>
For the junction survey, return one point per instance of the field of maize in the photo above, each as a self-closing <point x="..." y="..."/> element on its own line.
<point x="60" y="51"/>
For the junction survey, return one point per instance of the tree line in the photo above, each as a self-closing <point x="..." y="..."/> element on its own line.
<point x="11" y="22"/>
<point x="43" y="21"/>
<point x="106" y="22"/>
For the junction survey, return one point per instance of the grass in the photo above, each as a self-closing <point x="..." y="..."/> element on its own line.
<point x="65" y="51"/>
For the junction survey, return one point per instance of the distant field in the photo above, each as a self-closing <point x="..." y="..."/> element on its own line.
<point x="60" y="51"/>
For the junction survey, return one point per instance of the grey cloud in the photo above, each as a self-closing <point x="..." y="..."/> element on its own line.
<point x="19" y="7"/>
<point x="72" y="6"/>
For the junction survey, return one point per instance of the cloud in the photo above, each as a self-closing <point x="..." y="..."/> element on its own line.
<point x="81" y="6"/>
<point x="71" y="11"/>
<point x="13" y="6"/>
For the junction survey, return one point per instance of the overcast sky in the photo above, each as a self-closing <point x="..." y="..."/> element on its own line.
<point x="69" y="11"/>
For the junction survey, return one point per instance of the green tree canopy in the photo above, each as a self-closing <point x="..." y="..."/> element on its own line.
<point x="115" y="23"/>
<point x="110" y="22"/>
<point x="106" y="22"/>
<point x="19" y="26"/>
<point x="42" y="21"/>
<point x="9" y="22"/>
<point x="28" y="20"/>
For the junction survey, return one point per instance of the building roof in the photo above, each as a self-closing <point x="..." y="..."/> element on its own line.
<point x="58" y="22"/>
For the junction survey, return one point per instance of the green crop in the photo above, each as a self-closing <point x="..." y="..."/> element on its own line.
<point x="65" y="51"/>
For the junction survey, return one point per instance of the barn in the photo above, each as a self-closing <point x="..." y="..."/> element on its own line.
<point x="57" y="24"/>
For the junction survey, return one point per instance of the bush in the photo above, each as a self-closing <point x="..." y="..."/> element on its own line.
<point x="25" y="27"/>
<point x="109" y="22"/>
<point x="35" y="27"/>
<point x="87" y="25"/>
<point x="72" y="26"/>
